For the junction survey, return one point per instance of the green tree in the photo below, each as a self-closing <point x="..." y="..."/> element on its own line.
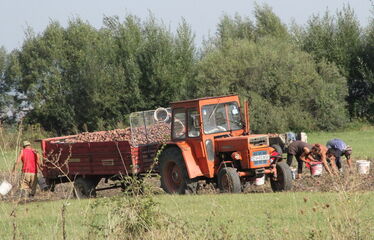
<point x="286" y="88"/>
<point x="338" y="39"/>
<point x="268" y="23"/>
<point x="4" y="88"/>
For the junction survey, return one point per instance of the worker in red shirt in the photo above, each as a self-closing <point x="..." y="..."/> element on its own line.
<point x="30" y="161"/>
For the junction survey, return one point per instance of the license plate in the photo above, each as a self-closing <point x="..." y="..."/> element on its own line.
<point x="262" y="156"/>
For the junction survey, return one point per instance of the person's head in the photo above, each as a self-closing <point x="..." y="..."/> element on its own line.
<point x="26" y="144"/>
<point x="331" y="153"/>
<point x="316" y="149"/>
<point x="348" y="152"/>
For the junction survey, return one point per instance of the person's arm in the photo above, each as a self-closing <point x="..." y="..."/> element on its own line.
<point x="349" y="161"/>
<point x="19" y="159"/>
<point x="305" y="157"/>
<point x="325" y="164"/>
<point x="39" y="162"/>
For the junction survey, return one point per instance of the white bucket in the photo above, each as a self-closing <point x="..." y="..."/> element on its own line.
<point x="5" y="187"/>
<point x="260" y="181"/>
<point x="316" y="169"/>
<point x="363" y="166"/>
<point x="293" y="172"/>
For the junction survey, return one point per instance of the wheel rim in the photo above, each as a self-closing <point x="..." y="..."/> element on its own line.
<point x="174" y="177"/>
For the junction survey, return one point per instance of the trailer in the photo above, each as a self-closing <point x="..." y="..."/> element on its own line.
<point x="68" y="159"/>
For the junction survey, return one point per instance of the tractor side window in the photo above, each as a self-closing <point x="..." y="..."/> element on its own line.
<point x="193" y="123"/>
<point x="179" y="124"/>
<point x="235" y="117"/>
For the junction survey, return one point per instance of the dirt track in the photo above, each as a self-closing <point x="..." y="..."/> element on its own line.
<point x="344" y="182"/>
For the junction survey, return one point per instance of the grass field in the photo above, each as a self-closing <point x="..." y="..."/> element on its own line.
<point x="218" y="216"/>
<point x="291" y="215"/>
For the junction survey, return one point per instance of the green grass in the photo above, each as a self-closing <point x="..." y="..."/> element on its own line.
<point x="248" y="216"/>
<point x="225" y="216"/>
<point x="7" y="159"/>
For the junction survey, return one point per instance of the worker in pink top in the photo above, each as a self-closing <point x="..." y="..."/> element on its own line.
<point x="30" y="164"/>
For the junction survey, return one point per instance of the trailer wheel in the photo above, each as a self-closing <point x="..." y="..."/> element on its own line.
<point x="85" y="187"/>
<point x="283" y="182"/>
<point x="228" y="180"/>
<point x="174" y="177"/>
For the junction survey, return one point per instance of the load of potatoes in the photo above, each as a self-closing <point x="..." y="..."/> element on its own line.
<point x="157" y="133"/>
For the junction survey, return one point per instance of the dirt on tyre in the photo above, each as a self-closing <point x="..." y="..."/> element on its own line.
<point x="228" y="180"/>
<point x="174" y="177"/>
<point x="283" y="182"/>
<point x="85" y="187"/>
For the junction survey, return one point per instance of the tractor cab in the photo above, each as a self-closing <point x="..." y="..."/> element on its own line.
<point x="210" y="140"/>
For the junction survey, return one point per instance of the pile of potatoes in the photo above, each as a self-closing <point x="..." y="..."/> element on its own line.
<point x="157" y="133"/>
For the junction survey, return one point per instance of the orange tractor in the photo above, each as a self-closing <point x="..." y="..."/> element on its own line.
<point x="211" y="141"/>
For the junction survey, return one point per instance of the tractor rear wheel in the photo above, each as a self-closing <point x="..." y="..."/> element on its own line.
<point x="85" y="187"/>
<point x="228" y="180"/>
<point x="174" y="177"/>
<point x="283" y="182"/>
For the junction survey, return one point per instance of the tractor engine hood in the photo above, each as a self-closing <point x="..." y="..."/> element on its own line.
<point x="241" y="143"/>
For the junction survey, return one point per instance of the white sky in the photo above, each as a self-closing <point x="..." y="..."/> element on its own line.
<point x="202" y="15"/>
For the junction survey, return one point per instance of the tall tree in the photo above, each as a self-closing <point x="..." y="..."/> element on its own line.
<point x="287" y="89"/>
<point x="339" y="39"/>
<point x="3" y="85"/>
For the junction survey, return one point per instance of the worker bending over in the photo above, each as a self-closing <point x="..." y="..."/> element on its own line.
<point x="319" y="153"/>
<point x="300" y="150"/>
<point x="336" y="149"/>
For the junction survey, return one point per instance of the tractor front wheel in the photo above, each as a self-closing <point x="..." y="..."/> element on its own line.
<point x="228" y="180"/>
<point x="174" y="177"/>
<point x="283" y="181"/>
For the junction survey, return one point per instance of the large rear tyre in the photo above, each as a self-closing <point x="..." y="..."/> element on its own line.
<point x="228" y="180"/>
<point x="283" y="182"/>
<point x="85" y="187"/>
<point x="174" y="177"/>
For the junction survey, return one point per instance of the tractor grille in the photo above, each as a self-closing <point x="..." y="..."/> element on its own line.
<point x="260" y="158"/>
<point x="259" y="141"/>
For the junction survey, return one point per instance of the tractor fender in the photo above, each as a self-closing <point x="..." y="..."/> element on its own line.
<point x="225" y="164"/>
<point x="190" y="162"/>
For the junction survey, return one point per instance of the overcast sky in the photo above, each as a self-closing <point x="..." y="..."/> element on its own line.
<point x="202" y="15"/>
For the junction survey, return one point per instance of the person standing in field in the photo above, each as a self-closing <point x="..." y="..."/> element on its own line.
<point x="300" y="150"/>
<point x="30" y="164"/>
<point x="336" y="149"/>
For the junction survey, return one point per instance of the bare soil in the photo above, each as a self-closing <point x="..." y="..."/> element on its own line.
<point x="347" y="181"/>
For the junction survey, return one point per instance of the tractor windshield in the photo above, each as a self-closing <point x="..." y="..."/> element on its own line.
<point x="221" y="117"/>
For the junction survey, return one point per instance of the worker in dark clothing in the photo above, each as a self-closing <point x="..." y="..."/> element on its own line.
<point x="336" y="149"/>
<point x="300" y="150"/>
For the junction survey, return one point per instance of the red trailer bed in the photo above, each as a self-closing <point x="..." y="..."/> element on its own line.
<point x="95" y="158"/>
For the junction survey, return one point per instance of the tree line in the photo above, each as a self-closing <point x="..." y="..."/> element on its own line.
<point x="318" y="76"/>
